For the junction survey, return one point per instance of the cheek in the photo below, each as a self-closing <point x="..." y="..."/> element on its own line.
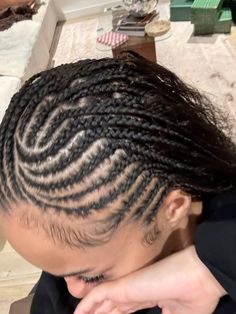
<point x="78" y="288"/>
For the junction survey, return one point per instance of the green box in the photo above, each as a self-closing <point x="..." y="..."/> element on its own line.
<point x="224" y="23"/>
<point x="180" y="10"/>
<point x="204" y="29"/>
<point x="205" y="11"/>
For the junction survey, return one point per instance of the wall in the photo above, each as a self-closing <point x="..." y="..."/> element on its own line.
<point x="69" y="9"/>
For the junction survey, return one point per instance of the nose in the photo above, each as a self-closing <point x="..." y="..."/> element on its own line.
<point x="77" y="287"/>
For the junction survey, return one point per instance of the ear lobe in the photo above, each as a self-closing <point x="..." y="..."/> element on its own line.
<point x="177" y="207"/>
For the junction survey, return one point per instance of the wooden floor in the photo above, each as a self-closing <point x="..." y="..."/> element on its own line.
<point x="208" y="63"/>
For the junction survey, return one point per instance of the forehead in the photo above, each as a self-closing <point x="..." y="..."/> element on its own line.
<point x="37" y="247"/>
<point x="71" y="229"/>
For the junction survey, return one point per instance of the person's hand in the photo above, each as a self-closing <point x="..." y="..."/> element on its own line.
<point x="178" y="284"/>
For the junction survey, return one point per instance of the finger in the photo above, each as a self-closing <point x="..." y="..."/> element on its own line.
<point x="92" y="301"/>
<point x="116" y="311"/>
<point x="105" y="308"/>
<point x="135" y="306"/>
<point x="165" y="311"/>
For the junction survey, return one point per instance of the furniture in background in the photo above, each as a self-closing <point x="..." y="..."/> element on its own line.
<point x="24" y="50"/>
<point x="144" y="45"/>
<point x="208" y="17"/>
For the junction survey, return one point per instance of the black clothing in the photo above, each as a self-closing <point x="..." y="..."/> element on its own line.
<point x="215" y="244"/>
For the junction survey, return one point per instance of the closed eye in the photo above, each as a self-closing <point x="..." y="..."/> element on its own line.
<point x="89" y="280"/>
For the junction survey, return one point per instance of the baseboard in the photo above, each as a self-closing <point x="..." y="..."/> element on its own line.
<point x="90" y="9"/>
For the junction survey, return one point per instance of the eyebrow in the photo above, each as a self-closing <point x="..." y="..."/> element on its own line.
<point x="77" y="273"/>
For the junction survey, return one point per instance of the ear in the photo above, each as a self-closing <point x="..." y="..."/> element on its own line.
<point x="176" y="207"/>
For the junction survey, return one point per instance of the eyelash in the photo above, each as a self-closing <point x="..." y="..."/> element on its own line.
<point x="89" y="280"/>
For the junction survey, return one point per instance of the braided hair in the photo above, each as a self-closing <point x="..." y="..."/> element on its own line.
<point x="120" y="131"/>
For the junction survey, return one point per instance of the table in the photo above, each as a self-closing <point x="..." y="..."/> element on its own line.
<point x="145" y="46"/>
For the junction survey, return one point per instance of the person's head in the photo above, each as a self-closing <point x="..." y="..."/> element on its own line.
<point x="102" y="165"/>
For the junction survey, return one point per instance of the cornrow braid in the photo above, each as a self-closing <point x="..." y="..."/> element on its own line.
<point x="122" y="129"/>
